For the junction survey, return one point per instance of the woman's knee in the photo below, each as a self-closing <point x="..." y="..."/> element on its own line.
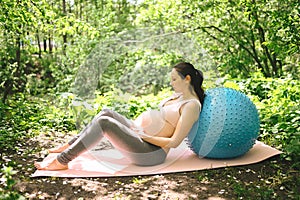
<point x="105" y="122"/>
<point x="104" y="112"/>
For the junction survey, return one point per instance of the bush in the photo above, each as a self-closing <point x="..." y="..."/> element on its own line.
<point x="23" y="117"/>
<point x="7" y="182"/>
<point x="278" y="102"/>
<point x="126" y="104"/>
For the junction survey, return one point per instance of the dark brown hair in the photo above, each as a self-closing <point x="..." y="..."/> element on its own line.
<point x="196" y="75"/>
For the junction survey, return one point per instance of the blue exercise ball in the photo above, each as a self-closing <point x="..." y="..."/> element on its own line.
<point x="228" y="125"/>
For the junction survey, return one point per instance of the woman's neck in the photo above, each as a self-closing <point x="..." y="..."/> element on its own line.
<point x="187" y="95"/>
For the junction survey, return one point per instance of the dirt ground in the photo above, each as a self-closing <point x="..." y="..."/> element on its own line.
<point x="207" y="184"/>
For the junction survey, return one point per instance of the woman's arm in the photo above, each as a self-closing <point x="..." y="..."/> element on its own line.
<point x="189" y="115"/>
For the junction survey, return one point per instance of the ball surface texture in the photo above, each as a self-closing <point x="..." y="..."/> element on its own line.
<point x="227" y="127"/>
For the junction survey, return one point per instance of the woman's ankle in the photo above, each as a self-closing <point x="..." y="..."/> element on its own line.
<point x="59" y="149"/>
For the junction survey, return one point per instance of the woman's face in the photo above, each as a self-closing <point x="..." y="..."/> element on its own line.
<point x="177" y="82"/>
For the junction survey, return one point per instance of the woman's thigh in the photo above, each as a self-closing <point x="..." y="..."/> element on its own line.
<point x="130" y="144"/>
<point x="104" y="113"/>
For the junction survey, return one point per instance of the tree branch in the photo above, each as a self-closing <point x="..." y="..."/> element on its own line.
<point x="232" y="37"/>
<point x="262" y="40"/>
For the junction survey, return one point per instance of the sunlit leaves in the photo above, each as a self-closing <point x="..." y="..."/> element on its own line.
<point x="7" y="182"/>
<point x="278" y="103"/>
<point x="240" y="35"/>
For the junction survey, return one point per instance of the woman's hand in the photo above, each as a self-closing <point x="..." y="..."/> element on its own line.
<point x="189" y="115"/>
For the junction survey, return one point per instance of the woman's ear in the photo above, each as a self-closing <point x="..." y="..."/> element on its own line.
<point x="188" y="78"/>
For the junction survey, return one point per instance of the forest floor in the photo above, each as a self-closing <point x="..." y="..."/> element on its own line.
<point x="271" y="179"/>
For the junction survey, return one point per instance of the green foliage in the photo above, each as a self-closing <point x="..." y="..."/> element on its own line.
<point x="129" y="105"/>
<point x="244" y="39"/>
<point x="140" y="72"/>
<point x="241" y="36"/>
<point x="60" y="38"/>
<point x="17" y="18"/>
<point x="126" y="104"/>
<point x="7" y="182"/>
<point x="278" y="103"/>
<point x="23" y="118"/>
<point x="44" y="43"/>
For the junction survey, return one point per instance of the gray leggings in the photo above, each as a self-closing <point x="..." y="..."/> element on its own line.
<point x="116" y="128"/>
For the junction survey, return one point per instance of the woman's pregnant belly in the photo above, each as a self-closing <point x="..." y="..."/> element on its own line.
<point x="154" y="124"/>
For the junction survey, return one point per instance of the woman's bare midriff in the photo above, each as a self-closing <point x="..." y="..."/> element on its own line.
<point x="166" y="131"/>
<point x="154" y="125"/>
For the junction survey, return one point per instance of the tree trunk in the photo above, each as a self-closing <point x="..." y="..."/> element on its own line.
<point x="45" y="44"/>
<point x="266" y="57"/>
<point x="18" y="52"/>
<point x="39" y="43"/>
<point x="255" y="54"/>
<point x="64" y="35"/>
<point x="80" y="9"/>
<point x="50" y="44"/>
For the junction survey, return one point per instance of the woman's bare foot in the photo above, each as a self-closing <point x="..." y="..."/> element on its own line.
<point x="59" y="149"/>
<point x="52" y="166"/>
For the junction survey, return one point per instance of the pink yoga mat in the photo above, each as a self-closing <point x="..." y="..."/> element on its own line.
<point x="110" y="163"/>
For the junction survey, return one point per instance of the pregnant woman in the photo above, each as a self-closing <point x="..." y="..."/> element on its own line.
<point x="146" y="140"/>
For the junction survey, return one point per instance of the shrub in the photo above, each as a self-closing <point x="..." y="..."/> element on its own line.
<point x="126" y="104"/>
<point x="23" y="117"/>
<point x="278" y="102"/>
<point x="7" y="182"/>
